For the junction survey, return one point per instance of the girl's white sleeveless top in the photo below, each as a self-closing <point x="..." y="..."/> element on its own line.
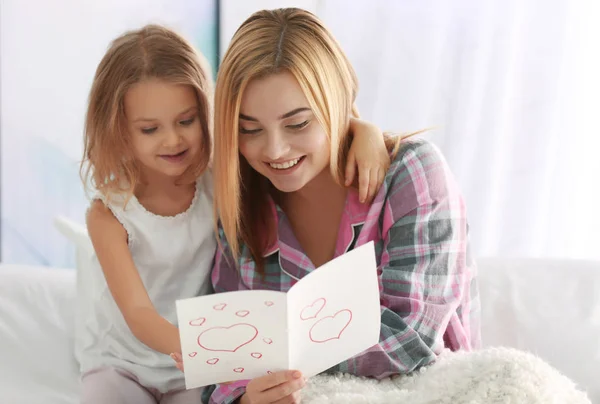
<point x="174" y="256"/>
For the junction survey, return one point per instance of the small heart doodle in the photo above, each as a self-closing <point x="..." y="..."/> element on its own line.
<point x="197" y="321"/>
<point x="313" y="309"/>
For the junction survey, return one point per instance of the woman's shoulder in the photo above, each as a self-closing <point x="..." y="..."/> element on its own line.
<point x="419" y="167"/>
<point x="413" y="149"/>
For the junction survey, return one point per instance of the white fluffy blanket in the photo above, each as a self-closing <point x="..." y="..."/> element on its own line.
<point x="494" y="375"/>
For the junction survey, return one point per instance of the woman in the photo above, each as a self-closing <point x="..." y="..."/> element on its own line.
<point x="284" y="98"/>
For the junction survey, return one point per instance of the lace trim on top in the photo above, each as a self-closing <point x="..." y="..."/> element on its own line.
<point x="178" y="216"/>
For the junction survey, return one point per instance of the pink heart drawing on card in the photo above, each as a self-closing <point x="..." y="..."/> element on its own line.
<point x="267" y="341"/>
<point x="269" y="303"/>
<point x="242" y="313"/>
<point x="238" y="370"/>
<point x="227" y="339"/>
<point x="256" y="355"/>
<point x="192" y="354"/>
<point x="220" y="306"/>
<point x="197" y="321"/>
<point x="212" y="361"/>
<point x="312" y="310"/>
<point x="330" y="327"/>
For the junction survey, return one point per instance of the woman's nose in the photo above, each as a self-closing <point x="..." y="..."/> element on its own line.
<point x="276" y="147"/>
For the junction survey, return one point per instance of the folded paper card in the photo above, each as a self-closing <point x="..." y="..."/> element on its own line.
<point x="328" y="316"/>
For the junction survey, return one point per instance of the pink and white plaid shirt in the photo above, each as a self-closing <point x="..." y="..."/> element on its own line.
<point x="427" y="278"/>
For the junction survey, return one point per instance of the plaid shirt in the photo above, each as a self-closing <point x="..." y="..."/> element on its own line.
<point x="429" y="296"/>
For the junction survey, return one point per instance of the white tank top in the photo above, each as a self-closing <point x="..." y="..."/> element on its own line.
<point x="174" y="257"/>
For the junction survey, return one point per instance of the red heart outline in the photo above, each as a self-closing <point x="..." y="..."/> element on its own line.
<point x="192" y="354"/>
<point x="256" y="355"/>
<point x="197" y="322"/>
<point x="227" y="328"/>
<point x="220" y="306"/>
<point x="306" y="314"/>
<point x="330" y="317"/>
<point x="212" y="361"/>
<point x="242" y="313"/>
<point x="238" y="370"/>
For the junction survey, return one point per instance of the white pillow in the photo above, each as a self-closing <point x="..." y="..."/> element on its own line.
<point x="37" y="364"/>
<point x="37" y="309"/>
<point x="78" y="235"/>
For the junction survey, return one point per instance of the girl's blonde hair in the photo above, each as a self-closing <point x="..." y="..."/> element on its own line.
<point x="268" y="42"/>
<point x="150" y="52"/>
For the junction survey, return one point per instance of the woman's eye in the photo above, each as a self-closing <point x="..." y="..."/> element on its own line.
<point x="249" y="131"/>
<point x="300" y="125"/>
<point x="148" y="131"/>
<point x="188" y="122"/>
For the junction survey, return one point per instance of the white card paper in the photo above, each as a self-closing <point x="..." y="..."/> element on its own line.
<point x="328" y="316"/>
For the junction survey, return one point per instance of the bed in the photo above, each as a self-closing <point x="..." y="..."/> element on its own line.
<point x="550" y="308"/>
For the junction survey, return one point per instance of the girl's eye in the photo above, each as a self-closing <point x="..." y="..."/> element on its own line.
<point x="300" y="125"/>
<point x="188" y="122"/>
<point x="148" y="131"/>
<point x="249" y="131"/>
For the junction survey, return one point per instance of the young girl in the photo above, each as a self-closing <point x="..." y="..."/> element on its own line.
<point x="147" y="149"/>
<point x="292" y="221"/>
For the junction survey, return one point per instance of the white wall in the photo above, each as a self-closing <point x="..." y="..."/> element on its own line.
<point x="234" y="12"/>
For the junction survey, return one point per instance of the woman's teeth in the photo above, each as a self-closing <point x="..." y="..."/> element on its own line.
<point x="283" y="166"/>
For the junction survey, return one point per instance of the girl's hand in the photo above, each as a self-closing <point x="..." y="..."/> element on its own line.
<point x="369" y="153"/>
<point x="279" y="387"/>
<point x="178" y="360"/>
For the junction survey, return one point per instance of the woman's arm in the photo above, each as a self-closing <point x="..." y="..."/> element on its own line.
<point x="110" y="243"/>
<point x="427" y="287"/>
<point x="225" y="275"/>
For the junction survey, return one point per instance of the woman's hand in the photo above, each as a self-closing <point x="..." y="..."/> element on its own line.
<point x="369" y="154"/>
<point x="279" y="387"/>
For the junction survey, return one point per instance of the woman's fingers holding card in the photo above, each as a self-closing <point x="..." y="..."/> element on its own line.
<point x="278" y="387"/>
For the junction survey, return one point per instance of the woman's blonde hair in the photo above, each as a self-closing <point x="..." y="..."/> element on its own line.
<point x="150" y="52"/>
<point x="268" y="42"/>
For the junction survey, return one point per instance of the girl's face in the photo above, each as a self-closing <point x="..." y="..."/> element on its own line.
<point x="279" y="135"/>
<point x="163" y="122"/>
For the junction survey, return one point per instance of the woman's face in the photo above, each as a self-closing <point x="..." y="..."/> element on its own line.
<point x="279" y="135"/>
